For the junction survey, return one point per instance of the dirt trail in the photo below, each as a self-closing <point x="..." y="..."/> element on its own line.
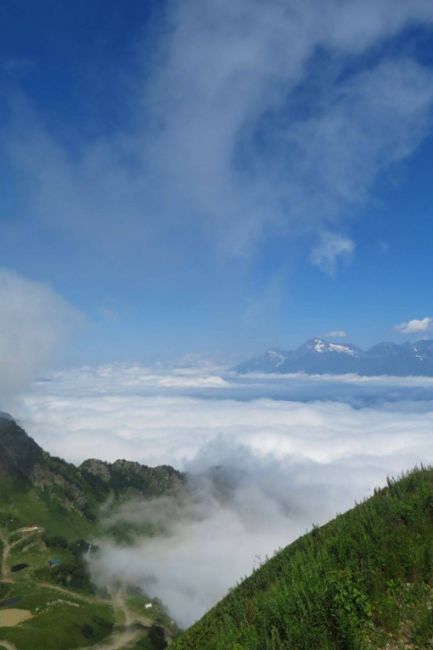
<point x="8" y="645"/>
<point x="70" y="593"/>
<point x="123" y="638"/>
<point x="5" y="556"/>
<point x="7" y="547"/>
<point x="130" y="623"/>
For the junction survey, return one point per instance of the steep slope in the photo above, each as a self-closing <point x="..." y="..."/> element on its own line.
<point x="63" y="497"/>
<point x="363" y="581"/>
<point x="125" y="479"/>
<point x="18" y="452"/>
<point x="48" y="509"/>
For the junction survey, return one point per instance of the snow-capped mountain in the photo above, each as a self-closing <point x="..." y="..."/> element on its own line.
<point x="325" y="347"/>
<point x="319" y="356"/>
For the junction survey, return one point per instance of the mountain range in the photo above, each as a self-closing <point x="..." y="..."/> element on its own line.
<point x="320" y="356"/>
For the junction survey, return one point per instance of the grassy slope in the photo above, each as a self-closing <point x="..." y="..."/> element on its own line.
<point x="41" y="506"/>
<point x="36" y="488"/>
<point x="362" y="581"/>
<point x="61" y="621"/>
<point x="63" y="498"/>
<point x="68" y="611"/>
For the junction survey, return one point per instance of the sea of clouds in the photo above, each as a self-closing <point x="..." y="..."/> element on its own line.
<point x="295" y="450"/>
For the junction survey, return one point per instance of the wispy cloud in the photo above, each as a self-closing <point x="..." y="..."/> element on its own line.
<point x="216" y="146"/>
<point x="415" y="326"/>
<point x="336" y="334"/>
<point x="330" y="248"/>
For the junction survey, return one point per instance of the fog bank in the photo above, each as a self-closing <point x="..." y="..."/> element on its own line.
<point x="293" y="451"/>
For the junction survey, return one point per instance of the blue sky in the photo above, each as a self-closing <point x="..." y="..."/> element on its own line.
<point x="219" y="177"/>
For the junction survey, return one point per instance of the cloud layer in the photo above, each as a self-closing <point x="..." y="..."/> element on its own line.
<point x="293" y="451"/>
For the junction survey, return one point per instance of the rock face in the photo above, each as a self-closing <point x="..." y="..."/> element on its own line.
<point x="19" y="454"/>
<point x="96" y="468"/>
<point x="319" y="356"/>
<point x="124" y="476"/>
<point x="25" y="465"/>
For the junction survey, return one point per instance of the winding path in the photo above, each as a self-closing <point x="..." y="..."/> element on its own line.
<point x="131" y="623"/>
<point x="122" y="638"/>
<point x="7" y="547"/>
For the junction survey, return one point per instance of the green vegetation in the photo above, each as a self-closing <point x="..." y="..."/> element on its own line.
<point x="48" y="509"/>
<point x="154" y="640"/>
<point x="64" y="499"/>
<point x="364" y="581"/>
<point x="60" y="620"/>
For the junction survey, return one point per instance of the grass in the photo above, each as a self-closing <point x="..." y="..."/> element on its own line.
<point x="66" y="501"/>
<point x="67" y="611"/>
<point x="78" y="616"/>
<point x="136" y="602"/>
<point x="364" y="581"/>
<point x="39" y="505"/>
<point x="60" y="621"/>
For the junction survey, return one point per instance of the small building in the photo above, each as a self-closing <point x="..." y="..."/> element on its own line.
<point x="32" y="528"/>
<point x="54" y="561"/>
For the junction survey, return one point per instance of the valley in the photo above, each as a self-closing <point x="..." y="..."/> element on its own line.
<point x="364" y="581"/>
<point x="48" y="511"/>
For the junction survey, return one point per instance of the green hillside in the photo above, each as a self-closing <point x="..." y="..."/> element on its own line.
<point x="63" y="498"/>
<point x="363" y="581"/>
<point x="50" y="520"/>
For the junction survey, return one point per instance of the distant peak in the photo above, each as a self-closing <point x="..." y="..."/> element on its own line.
<point x="276" y="356"/>
<point x="321" y="346"/>
<point x="322" y="356"/>
<point x="315" y="343"/>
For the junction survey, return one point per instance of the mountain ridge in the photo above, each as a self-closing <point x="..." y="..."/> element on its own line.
<point x="75" y="493"/>
<point x="322" y="356"/>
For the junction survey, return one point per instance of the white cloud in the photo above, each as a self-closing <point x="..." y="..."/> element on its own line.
<point x="336" y="334"/>
<point x="222" y="150"/>
<point x="293" y="454"/>
<point x="329" y="249"/>
<point x="33" y="320"/>
<point x="415" y="326"/>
